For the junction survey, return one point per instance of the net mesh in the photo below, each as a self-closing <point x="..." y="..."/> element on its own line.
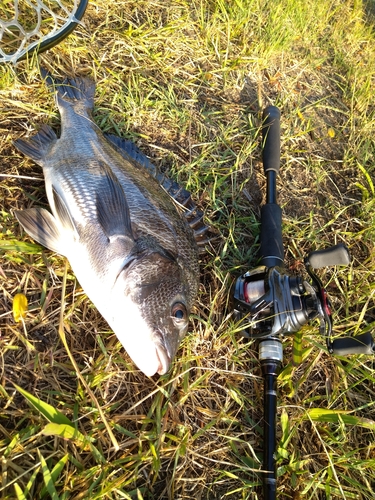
<point x="27" y="25"/>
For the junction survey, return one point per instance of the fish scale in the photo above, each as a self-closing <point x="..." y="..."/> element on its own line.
<point x="133" y="253"/>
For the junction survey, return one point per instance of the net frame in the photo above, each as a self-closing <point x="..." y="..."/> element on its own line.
<point x="34" y="40"/>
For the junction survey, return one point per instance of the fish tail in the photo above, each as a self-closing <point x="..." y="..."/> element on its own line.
<point x="70" y="91"/>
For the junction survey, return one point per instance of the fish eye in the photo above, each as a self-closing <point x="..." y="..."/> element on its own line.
<point x="179" y="313"/>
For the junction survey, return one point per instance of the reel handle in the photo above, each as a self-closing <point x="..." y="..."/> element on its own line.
<point x="337" y="255"/>
<point x="361" y="344"/>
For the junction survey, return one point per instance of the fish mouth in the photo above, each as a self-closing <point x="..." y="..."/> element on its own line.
<point x="163" y="356"/>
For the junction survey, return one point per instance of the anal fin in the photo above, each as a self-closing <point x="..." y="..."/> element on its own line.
<point x="36" y="147"/>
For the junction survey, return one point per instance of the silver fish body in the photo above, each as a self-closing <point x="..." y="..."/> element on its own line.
<point x="133" y="253"/>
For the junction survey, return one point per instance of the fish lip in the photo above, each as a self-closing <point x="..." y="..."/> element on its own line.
<point x="162" y="355"/>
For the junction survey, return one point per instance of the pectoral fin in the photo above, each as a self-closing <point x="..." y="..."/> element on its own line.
<point x="112" y="207"/>
<point x="42" y="227"/>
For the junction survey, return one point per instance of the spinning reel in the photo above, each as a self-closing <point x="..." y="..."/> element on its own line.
<point x="272" y="303"/>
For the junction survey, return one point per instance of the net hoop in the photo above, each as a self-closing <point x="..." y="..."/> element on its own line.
<point x="45" y="42"/>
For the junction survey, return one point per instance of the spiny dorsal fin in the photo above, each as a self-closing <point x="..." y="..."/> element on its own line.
<point x="193" y="216"/>
<point x="131" y="152"/>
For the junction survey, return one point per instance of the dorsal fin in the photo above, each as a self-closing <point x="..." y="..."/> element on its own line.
<point x="193" y="215"/>
<point x="131" y="152"/>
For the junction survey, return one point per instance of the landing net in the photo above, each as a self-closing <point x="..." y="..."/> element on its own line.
<point x="35" y="25"/>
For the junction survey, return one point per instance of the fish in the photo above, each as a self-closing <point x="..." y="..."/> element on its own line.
<point x="116" y="219"/>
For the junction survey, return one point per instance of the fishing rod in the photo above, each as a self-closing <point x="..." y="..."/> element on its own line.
<point x="273" y="303"/>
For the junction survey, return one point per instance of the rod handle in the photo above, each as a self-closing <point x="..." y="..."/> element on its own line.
<point x="271" y="139"/>
<point x="271" y="238"/>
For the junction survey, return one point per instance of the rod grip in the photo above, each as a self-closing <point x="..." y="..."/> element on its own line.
<point x="271" y="238"/>
<point x="271" y="139"/>
<point x="361" y="344"/>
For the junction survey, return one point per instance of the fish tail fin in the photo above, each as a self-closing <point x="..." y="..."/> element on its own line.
<point x="70" y="91"/>
<point x="37" y="146"/>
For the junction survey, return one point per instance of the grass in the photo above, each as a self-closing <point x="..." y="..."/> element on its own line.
<point x="187" y="80"/>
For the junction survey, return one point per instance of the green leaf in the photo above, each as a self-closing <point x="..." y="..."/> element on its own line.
<point x="284" y="421"/>
<point x="283" y="453"/>
<point x="45" y="409"/>
<point x="286" y="373"/>
<point x="20" y="246"/>
<point x="47" y="477"/>
<point x="297" y="348"/>
<point x="139" y="495"/>
<point x="56" y="471"/>
<point x="368" y="178"/>
<point x="19" y="493"/>
<point x="31" y="481"/>
<point x="337" y="416"/>
<point x="66" y="431"/>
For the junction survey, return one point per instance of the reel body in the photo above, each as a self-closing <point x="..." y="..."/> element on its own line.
<point x="272" y="303"/>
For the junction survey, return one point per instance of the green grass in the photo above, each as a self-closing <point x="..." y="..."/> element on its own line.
<point x="187" y="81"/>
